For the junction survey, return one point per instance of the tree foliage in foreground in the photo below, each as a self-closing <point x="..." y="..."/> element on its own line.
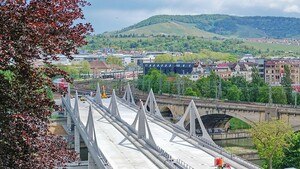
<point x="31" y="30"/>
<point x="270" y="139"/>
<point x="292" y="153"/>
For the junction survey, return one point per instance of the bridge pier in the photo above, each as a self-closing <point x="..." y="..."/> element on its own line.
<point x="96" y="159"/>
<point x="76" y="132"/>
<point x="91" y="162"/>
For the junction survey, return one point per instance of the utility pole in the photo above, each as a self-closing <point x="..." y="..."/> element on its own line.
<point x="160" y="84"/>
<point x="296" y="95"/>
<point x="169" y="87"/>
<point x="178" y="85"/>
<point x="220" y="88"/>
<point x="183" y="87"/>
<point x="149" y="85"/>
<point x="270" y="95"/>
<point x="143" y="84"/>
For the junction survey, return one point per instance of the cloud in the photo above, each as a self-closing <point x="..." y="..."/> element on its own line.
<point x="292" y="9"/>
<point x="108" y="15"/>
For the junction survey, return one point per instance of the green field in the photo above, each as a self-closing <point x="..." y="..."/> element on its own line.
<point x="236" y="124"/>
<point x="275" y="47"/>
<point x="171" y="28"/>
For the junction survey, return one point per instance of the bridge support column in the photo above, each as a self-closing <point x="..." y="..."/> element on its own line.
<point x="68" y="99"/>
<point x="193" y="113"/>
<point x="98" y="98"/>
<point x="76" y="132"/>
<point x="92" y="137"/>
<point x="128" y="97"/>
<point x="143" y="129"/>
<point x="91" y="162"/>
<point x="113" y="106"/>
<point x="151" y="103"/>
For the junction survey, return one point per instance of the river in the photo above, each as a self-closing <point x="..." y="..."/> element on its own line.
<point x="240" y="146"/>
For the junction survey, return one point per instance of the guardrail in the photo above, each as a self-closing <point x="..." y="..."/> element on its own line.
<point x="200" y="140"/>
<point x="159" y="152"/>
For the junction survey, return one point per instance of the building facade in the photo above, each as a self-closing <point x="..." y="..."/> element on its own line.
<point x="274" y="71"/>
<point x="167" y="68"/>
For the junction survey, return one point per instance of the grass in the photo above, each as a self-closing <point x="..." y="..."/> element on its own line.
<point x="172" y="28"/>
<point x="236" y="124"/>
<point x="275" y="47"/>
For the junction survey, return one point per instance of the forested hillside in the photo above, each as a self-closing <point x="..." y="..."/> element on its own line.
<point x="187" y="44"/>
<point x="234" y="26"/>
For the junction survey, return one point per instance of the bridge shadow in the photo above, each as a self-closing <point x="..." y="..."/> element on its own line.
<point x="102" y="120"/>
<point x="127" y="145"/>
<point x="180" y="142"/>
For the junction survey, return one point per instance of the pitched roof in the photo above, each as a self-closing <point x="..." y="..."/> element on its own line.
<point x="99" y="65"/>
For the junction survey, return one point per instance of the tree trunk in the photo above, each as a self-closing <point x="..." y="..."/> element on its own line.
<point x="270" y="163"/>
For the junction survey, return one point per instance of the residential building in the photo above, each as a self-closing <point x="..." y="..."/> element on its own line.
<point x="223" y="70"/>
<point x="261" y="67"/>
<point x="99" y="67"/>
<point x="274" y="71"/>
<point x="242" y="69"/>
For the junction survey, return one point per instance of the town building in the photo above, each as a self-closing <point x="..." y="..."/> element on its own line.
<point x="167" y="68"/>
<point x="242" y="69"/>
<point x="274" y="70"/>
<point x="223" y="70"/>
<point x="100" y="67"/>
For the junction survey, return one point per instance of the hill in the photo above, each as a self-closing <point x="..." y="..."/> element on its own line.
<point x="171" y="28"/>
<point x="224" y="25"/>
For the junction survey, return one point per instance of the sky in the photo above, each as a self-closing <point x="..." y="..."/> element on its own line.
<point x="111" y="15"/>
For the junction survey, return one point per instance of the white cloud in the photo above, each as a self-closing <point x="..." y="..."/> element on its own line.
<point x="292" y="8"/>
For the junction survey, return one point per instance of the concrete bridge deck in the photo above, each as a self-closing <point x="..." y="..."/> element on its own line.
<point x="177" y="148"/>
<point x="122" y="145"/>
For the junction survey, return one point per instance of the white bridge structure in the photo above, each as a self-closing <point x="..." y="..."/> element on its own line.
<point x="119" y="133"/>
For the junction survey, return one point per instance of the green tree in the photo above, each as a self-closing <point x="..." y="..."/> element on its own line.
<point x="242" y="84"/>
<point x="31" y="30"/>
<point x="234" y="93"/>
<point x="287" y="84"/>
<point x="278" y="95"/>
<point x="263" y="94"/>
<point x="255" y="85"/>
<point x="213" y="83"/>
<point x="190" y="92"/>
<point x="270" y="139"/>
<point x="292" y="153"/>
<point x="84" y="67"/>
<point x="72" y="70"/>
<point x="165" y="58"/>
<point x="203" y="86"/>
<point x="114" y="60"/>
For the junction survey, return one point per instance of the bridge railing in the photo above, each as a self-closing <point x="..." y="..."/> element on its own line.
<point x="223" y="152"/>
<point x="202" y="141"/>
<point x="168" y="158"/>
<point x="94" y="150"/>
<point x="241" y="103"/>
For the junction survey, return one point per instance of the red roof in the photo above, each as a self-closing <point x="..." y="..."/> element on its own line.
<point x="222" y="65"/>
<point x="99" y="65"/>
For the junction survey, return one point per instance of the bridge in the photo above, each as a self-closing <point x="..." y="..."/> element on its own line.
<point x="216" y="113"/>
<point x="119" y="133"/>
